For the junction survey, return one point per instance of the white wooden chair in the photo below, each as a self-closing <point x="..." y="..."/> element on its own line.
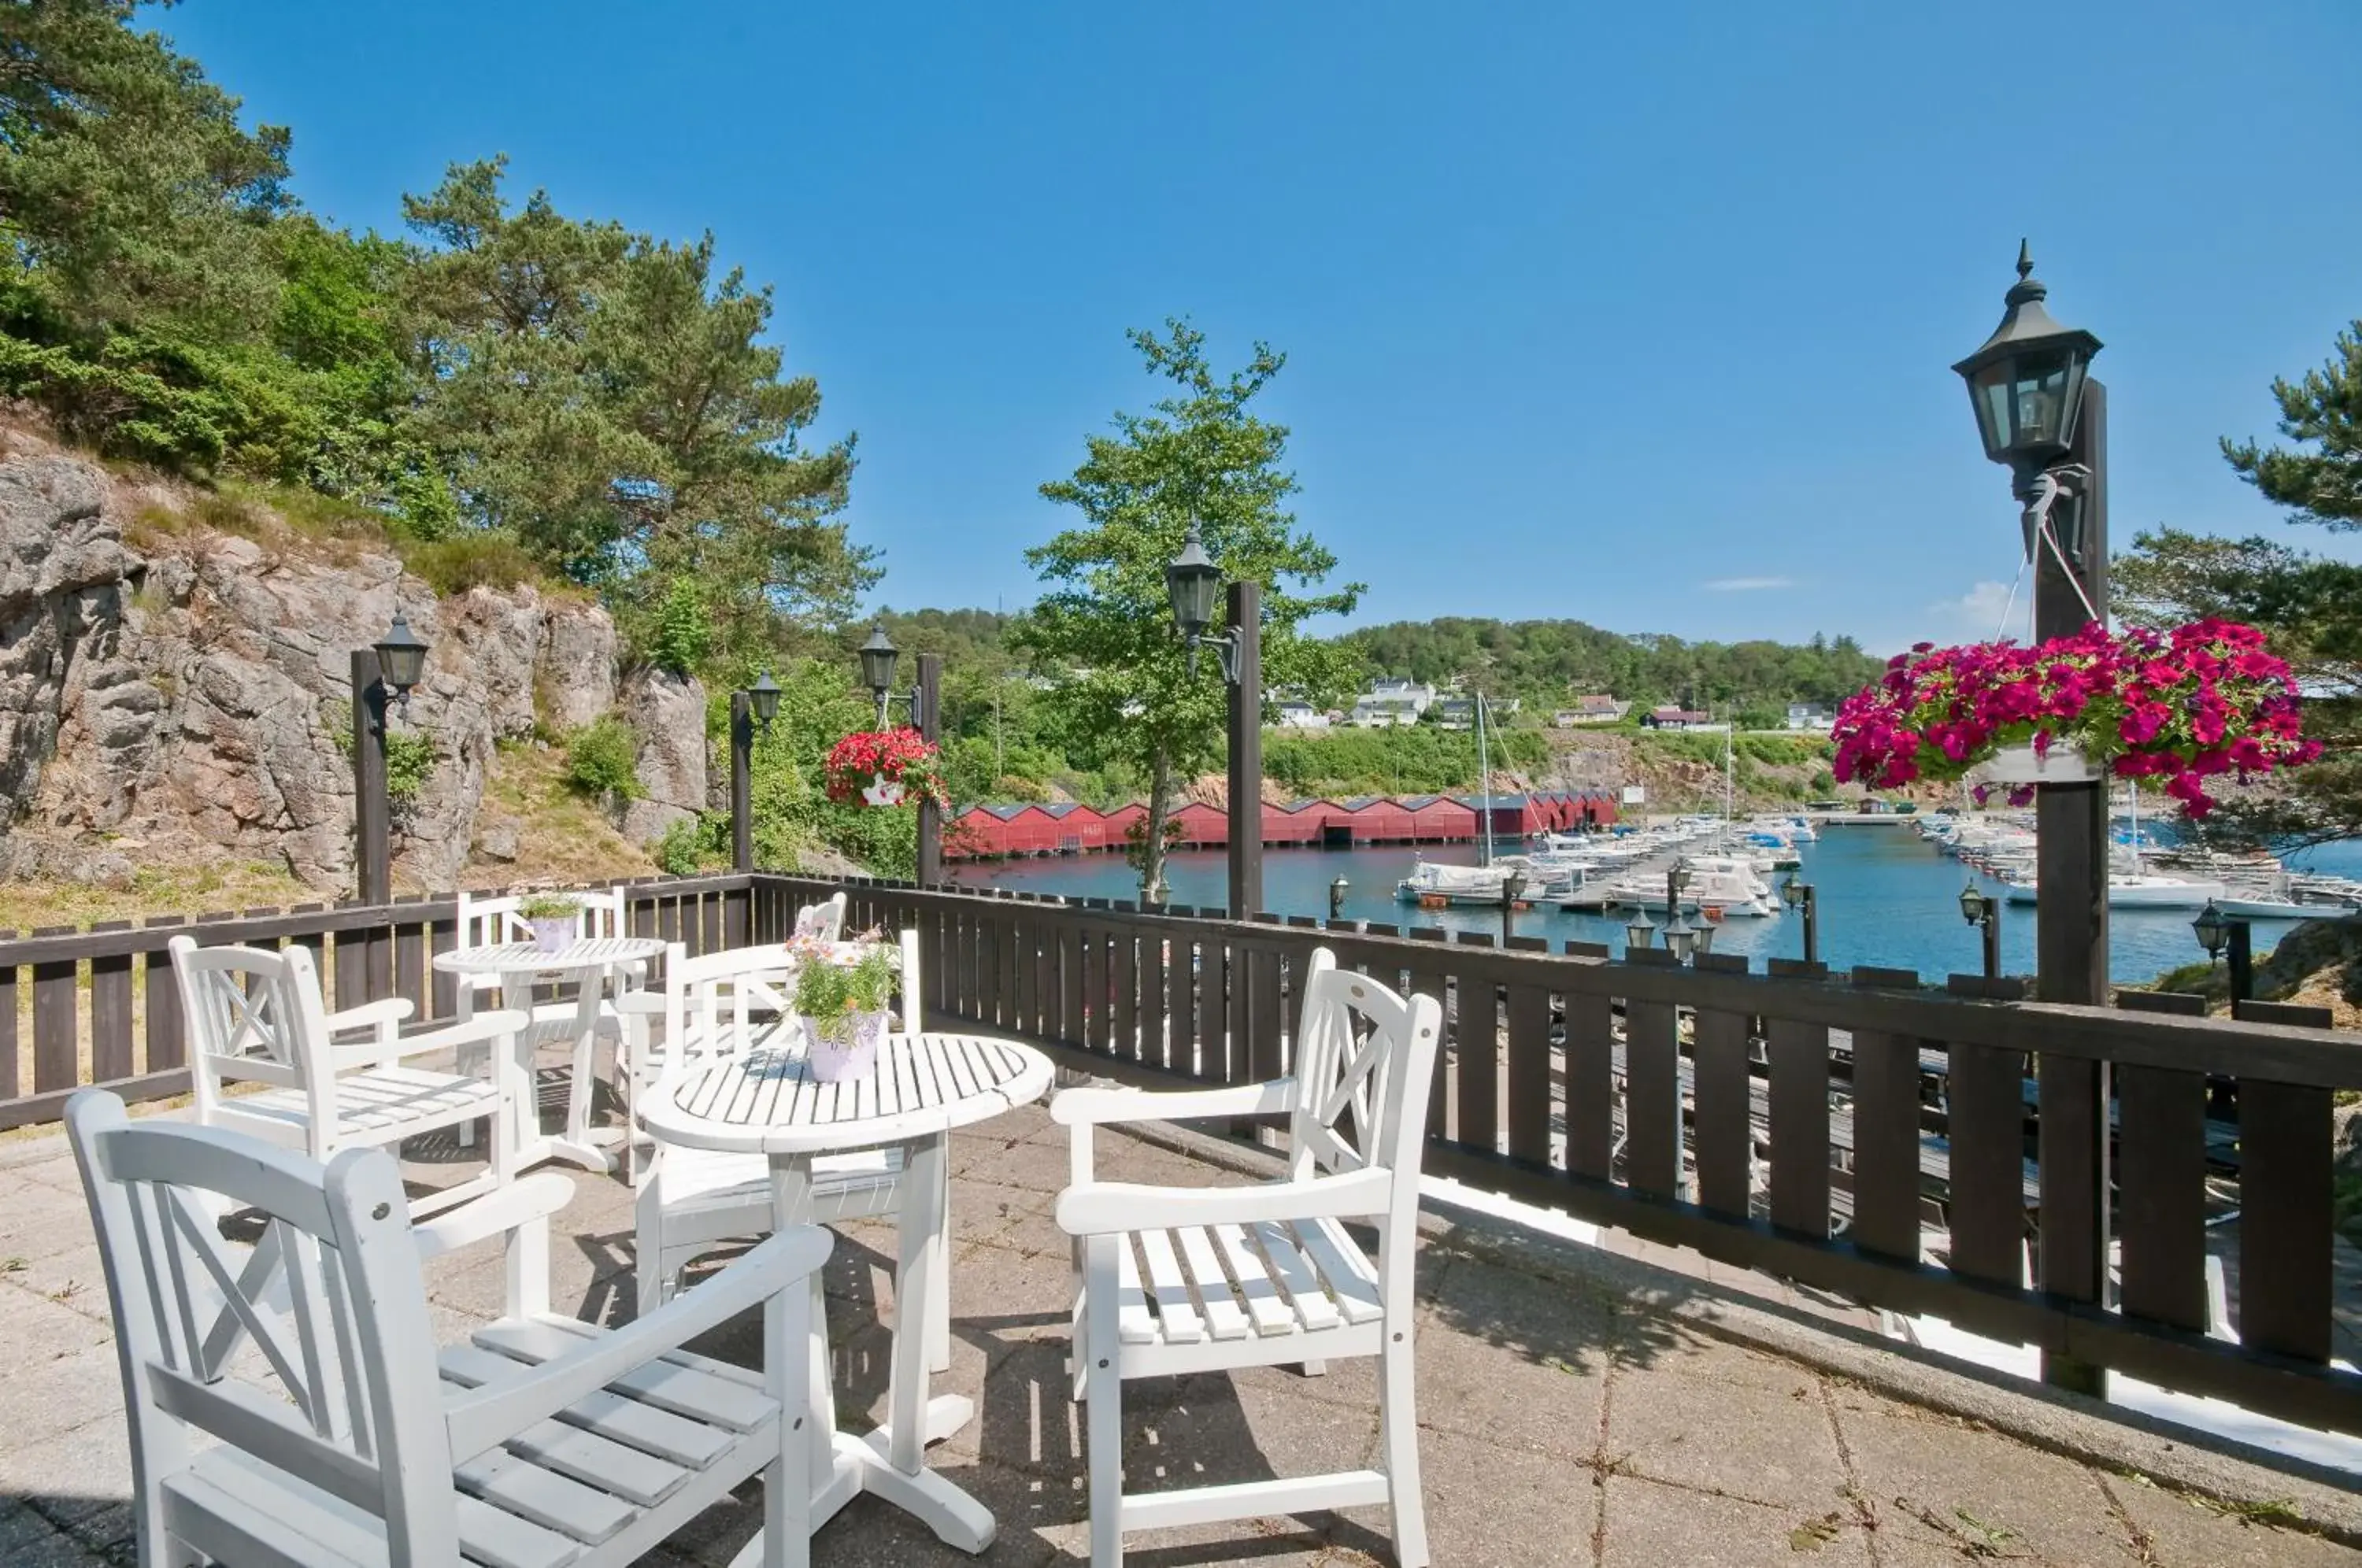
<point x="638" y="1057"/>
<point x="335" y="1080"/>
<point x="1266" y="1274"/>
<point x="495" y="921"/>
<point x="696" y="1201"/>
<point x="542" y="1442"/>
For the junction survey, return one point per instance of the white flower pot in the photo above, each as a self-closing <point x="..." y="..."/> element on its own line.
<point x="2018" y="765"/>
<point x="840" y="1048"/>
<point x="883" y="792"/>
<point x="553" y="933"/>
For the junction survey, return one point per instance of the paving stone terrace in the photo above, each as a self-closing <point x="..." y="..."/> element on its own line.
<point x="1566" y="1415"/>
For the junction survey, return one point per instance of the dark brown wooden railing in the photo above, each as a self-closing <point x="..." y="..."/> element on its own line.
<point x="1864" y="1134"/>
<point x="99" y="1006"/>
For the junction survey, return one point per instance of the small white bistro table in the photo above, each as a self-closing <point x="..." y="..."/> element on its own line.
<point x="762" y="1101"/>
<point x="521" y="966"/>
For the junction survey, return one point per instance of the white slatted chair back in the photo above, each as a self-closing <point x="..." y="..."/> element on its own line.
<point x="824" y="918"/>
<point x="603" y="913"/>
<point x="1365" y="1064"/>
<point x="910" y="993"/>
<point x="490" y="921"/>
<point x="350" y="1403"/>
<point x="255" y="1016"/>
<point x="718" y="1004"/>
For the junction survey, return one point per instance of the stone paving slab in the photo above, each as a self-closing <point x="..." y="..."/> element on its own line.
<point x="1563" y="1420"/>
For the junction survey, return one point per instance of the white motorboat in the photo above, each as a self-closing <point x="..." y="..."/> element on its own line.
<point x="1431" y="885"/>
<point x="2136" y="890"/>
<point x="1724" y="882"/>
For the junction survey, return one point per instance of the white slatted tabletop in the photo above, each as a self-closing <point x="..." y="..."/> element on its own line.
<point x="765" y="1102"/>
<point x="522" y="966"/>
<point x="527" y="958"/>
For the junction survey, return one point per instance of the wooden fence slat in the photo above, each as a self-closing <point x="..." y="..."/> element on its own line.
<point x="1476" y="1083"/>
<point x="1429" y="983"/>
<point x="1266" y="1057"/>
<point x="1800" y="1124"/>
<point x="110" y="1011"/>
<point x="57" y="1062"/>
<point x="1590" y="1085"/>
<point x="1027" y="943"/>
<point x="1155" y="989"/>
<point x="1126" y="1016"/>
<point x="160" y="993"/>
<point x="1181" y="1005"/>
<point x="1986" y="1122"/>
<point x="1069" y="1013"/>
<point x="1652" y="1100"/>
<point x="1529" y="1075"/>
<point x="2285" y="1216"/>
<point x="349" y="959"/>
<point x="2071" y="1166"/>
<point x="2161" y="1194"/>
<point x="1725" y="1120"/>
<point x="1886" y="1181"/>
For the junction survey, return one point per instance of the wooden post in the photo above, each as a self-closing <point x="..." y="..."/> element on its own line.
<point x="928" y="720"/>
<point x="1246" y="750"/>
<point x="2071" y="934"/>
<point x="1992" y="923"/>
<point x="2243" y="961"/>
<point x="372" y="825"/>
<point x="742" y="781"/>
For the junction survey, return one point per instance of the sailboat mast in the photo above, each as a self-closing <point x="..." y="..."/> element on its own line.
<point x="1484" y="777"/>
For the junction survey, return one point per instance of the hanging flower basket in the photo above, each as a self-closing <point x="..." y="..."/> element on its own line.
<point x="885" y="767"/>
<point x="2189" y="705"/>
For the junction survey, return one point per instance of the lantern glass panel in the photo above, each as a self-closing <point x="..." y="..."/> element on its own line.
<point x="878" y="658"/>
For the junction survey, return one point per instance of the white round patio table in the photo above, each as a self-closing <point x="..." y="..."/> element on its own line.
<point x="764" y="1101"/>
<point x="521" y="966"/>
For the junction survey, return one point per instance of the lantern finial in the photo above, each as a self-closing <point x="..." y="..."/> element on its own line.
<point x="2024" y="262"/>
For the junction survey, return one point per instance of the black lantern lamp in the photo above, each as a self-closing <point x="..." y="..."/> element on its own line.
<point x="401" y="657"/>
<point x="878" y="659"/>
<point x="1680" y="937"/>
<point x="2026" y="385"/>
<point x="1793" y="891"/>
<point x="2213" y="932"/>
<point x="1976" y="906"/>
<point x="1194" y="583"/>
<point x="1337" y="898"/>
<point x="764" y="697"/>
<point x="1640" y="931"/>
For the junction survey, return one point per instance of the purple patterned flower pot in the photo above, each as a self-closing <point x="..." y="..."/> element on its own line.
<point x="840" y="1048"/>
<point x="553" y="933"/>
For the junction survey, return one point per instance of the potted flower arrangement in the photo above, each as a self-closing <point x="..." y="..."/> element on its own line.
<point x="2189" y="705"/>
<point x="554" y="919"/>
<point x="842" y="988"/>
<point x="885" y="767"/>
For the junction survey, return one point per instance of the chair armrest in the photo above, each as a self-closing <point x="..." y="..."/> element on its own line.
<point x="483" y="1026"/>
<point x="1100" y="1207"/>
<point x="496" y="1213"/>
<point x="371" y="1015"/>
<point x="646" y="1003"/>
<point x="483" y="1418"/>
<point x="1096" y="1107"/>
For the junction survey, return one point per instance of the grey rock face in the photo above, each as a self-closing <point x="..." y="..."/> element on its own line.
<point x="667" y="712"/>
<point x="196" y="700"/>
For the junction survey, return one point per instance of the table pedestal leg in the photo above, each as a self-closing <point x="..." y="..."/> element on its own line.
<point x="885" y="1462"/>
<point x="576" y="1145"/>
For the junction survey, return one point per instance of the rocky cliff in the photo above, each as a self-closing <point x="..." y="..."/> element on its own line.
<point x="169" y="692"/>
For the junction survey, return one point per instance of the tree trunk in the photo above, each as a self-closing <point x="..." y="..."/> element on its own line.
<point x="1152" y="844"/>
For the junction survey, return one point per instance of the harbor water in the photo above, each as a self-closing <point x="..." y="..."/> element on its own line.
<point x="1886" y="896"/>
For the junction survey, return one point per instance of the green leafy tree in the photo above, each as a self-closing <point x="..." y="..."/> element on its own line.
<point x="603" y="397"/>
<point x="2310" y="607"/>
<point x="1122" y="691"/>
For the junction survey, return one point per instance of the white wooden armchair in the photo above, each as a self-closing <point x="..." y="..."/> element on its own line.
<point x="1176" y="1280"/>
<point x="544" y="1442"/>
<point x="696" y="1201"/>
<point x="495" y="921"/>
<point x="337" y="1081"/>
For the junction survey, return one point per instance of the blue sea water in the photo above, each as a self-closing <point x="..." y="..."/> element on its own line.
<point x="1886" y="897"/>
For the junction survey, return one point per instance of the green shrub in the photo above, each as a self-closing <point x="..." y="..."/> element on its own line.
<point x="694" y="844"/>
<point x="683" y="634"/>
<point x="602" y="761"/>
<point x="409" y="763"/>
<point x="475" y="558"/>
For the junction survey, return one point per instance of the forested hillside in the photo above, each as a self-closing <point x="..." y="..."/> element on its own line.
<point x="1544" y="661"/>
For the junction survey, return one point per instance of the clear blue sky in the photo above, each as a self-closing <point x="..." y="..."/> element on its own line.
<point x="1602" y="311"/>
